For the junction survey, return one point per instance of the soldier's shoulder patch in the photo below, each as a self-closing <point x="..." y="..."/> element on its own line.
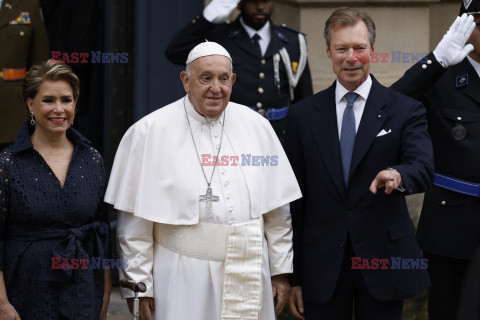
<point x="461" y="81"/>
<point x="284" y="26"/>
<point x="282" y="36"/>
<point x="235" y="33"/>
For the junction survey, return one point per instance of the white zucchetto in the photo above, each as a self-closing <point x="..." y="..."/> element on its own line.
<point x="207" y="49"/>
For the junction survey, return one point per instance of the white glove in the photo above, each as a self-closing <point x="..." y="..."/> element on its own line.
<point x="452" y="49"/>
<point x="219" y="10"/>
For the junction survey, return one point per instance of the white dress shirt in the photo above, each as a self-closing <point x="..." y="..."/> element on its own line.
<point x="474" y="63"/>
<point x="358" y="107"/>
<point x="1" y="4"/>
<point x="264" y="33"/>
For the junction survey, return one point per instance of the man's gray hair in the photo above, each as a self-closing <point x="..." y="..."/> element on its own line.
<point x="349" y="17"/>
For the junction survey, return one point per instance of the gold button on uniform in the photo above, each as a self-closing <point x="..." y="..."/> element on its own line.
<point x="193" y="21"/>
<point x="260" y="90"/>
<point x="444" y="203"/>
<point x="22" y="33"/>
<point x="424" y="66"/>
<point x="259" y="105"/>
<point x="261" y="75"/>
<point x="263" y="61"/>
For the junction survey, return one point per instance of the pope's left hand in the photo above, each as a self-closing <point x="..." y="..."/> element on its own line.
<point x="390" y="179"/>
<point x="281" y="291"/>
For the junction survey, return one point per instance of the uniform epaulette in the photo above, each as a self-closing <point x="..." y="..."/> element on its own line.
<point x="291" y="29"/>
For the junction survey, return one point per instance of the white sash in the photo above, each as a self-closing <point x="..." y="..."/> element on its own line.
<point x="239" y="245"/>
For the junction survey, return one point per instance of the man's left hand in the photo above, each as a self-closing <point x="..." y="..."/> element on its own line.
<point x="390" y="179"/>
<point x="281" y="291"/>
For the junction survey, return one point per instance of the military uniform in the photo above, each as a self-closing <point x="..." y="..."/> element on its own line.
<point x="449" y="227"/>
<point x="23" y="43"/>
<point x="256" y="86"/>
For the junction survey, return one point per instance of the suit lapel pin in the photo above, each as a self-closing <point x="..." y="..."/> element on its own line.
<point x="462" y="80"/>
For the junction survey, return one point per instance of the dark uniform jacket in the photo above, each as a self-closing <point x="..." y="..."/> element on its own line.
<point x="450" y="222"/>
<point x="255" y="86"/>
<point x="379" y="225"/>
<point x="21" y="46"/>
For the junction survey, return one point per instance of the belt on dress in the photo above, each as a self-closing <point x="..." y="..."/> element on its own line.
<point x="13" y="74"/>
<point x="75" y="282"/>
<point x="457" y="185"/>
<point x="272" y="113"/>
<point x="239" y="245"/>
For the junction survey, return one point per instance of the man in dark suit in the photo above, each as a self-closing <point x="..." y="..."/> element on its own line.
<point x="448" y="84"/>
<point x="352" y="242"/>
<point x="23" y="43"/>
<point x="270" y="61"/>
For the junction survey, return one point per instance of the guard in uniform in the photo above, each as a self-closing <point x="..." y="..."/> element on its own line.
<point x="447" y="81"/>
<point x="271" y="74"/>
<point x="23" y="43"/>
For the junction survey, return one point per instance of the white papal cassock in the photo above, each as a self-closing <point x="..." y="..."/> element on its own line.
<point x="155" y="184"/>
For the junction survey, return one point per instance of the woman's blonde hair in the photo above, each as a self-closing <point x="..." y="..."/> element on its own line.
<point x="51" y="71"/>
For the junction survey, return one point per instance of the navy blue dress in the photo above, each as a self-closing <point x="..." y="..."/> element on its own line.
<point x="40" y="220"/>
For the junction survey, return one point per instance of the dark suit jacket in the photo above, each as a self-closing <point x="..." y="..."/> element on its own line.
<point x="246" y="64"/>
<point x="379" y="225"/>
<point x="21" y="46"/>
<point x="450" y="222"/>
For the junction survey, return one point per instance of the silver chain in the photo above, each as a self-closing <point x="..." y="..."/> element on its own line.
<point x="195" y="145"/>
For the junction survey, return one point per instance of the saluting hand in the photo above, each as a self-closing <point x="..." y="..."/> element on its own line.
<point x="390" y="179"/>
<point x="146" y="306"/>
<point x="452" y="49"/>
<point x="219" y="10"/>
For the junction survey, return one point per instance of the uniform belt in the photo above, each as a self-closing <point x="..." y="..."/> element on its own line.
<point x="273" y="113"/>
<point x="13" y="74"/>
<point x="457" y="185"/>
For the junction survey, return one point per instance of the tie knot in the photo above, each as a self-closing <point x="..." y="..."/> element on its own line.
<point x="255" y="37"/>
<point x="351" y="97"/>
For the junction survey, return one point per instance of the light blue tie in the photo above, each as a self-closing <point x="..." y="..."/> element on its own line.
<point x="348" y="133"/>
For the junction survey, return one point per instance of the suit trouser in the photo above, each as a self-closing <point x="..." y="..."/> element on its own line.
<point x="446" y="275"/>
<point x="352" y="296"/>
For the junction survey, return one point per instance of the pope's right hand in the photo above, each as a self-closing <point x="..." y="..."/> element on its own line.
<point x="145" y="309"/>
<point x="219" y="10"/>
<point x="452" y="49"/>
<point x="7" y="311"/>
<point x="295" y="303"/>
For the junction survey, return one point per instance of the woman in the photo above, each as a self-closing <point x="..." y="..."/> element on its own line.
<point x="52" y="217"/>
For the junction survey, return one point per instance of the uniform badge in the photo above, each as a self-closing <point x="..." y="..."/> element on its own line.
<point x="8" y="5"/>
<point x="467" y="3"/>
<point x="282" y="36"/>
<point x="235" y="33"/>
<point x="459" y="132"/>
<point x="462" y="80"/>
<point x="23" y="18"/>
<point x="294" y="67"/>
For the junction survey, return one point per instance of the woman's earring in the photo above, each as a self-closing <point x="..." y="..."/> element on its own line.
<point x="32" y="119"/>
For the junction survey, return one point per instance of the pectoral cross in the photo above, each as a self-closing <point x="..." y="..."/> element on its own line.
<point x="208" y="198"/>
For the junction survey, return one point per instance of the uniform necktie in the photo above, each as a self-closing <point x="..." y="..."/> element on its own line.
<point x="348" y="133"/>
<point x="256" y="45"/>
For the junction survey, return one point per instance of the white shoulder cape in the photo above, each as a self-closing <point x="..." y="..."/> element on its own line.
<point x="156" y="172"/>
